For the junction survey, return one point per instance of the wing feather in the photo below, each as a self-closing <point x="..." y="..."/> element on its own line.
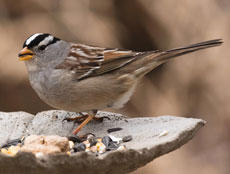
<point x="87" y="61"/>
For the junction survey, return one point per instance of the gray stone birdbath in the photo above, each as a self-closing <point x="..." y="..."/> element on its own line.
<point x="152" y="137"/>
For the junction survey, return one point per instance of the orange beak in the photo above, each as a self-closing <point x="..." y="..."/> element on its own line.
<point x="25" y="54"/>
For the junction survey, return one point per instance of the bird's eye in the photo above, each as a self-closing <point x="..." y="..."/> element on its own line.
<point x="42" y="47"/>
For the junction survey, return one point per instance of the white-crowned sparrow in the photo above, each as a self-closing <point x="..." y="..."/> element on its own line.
<point x="82" y="78"/>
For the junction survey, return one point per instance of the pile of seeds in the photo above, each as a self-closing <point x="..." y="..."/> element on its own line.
<point x="87" y="143"/>
<point x="12" y="147"/>
<point x="91" y="143"/>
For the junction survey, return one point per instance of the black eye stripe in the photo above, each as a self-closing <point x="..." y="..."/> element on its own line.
<point x="38" y="39"/>
<point x="53" y="41"/>
<point x="42" y="47"/>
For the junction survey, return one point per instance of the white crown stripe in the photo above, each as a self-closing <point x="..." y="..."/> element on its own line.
<point x="28" y="41"/>
<point x="46" y="40"/>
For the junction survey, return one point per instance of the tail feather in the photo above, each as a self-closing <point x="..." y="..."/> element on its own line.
<point x="188" y="49"/>
<point x="156" y="58"/>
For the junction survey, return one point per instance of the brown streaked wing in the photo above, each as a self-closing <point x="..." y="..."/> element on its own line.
<point x="87" y="61"/>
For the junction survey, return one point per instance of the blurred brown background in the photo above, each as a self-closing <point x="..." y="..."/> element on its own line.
<point x="195" y="85"/>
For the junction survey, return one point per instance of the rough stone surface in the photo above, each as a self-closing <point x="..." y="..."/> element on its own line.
<point x="152" y="137"/>
<point x="13" y="125"/>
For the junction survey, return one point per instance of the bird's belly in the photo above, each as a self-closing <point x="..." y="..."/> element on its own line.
<point x="124" y="98"/>
<point x="81" y="96"/>
<point x="52" y="88"/>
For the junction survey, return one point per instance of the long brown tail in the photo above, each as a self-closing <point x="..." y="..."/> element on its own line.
<point x="156" y="58"/>
<point x="188" y="49"/>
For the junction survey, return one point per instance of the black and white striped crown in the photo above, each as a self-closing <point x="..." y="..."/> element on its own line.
<point x="40" y="39"/>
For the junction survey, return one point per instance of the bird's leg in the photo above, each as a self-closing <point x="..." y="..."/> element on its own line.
<point x="100" y="119"/>
<point x="78" y="119"/>
<point x="91" y="115"/>
<point x="82" y="117"/>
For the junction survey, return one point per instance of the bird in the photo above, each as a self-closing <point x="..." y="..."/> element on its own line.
<point x="84" y="79"/>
